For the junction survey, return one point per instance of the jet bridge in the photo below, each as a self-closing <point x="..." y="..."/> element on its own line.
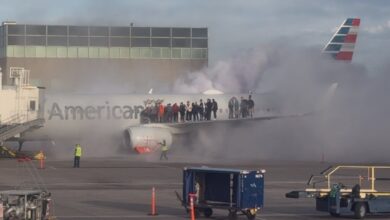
<point x="21" y="105"/>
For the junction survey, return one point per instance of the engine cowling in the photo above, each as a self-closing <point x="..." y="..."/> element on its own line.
<point x="146" y="139"/>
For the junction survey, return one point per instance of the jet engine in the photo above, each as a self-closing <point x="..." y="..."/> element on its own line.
<point x="146" y="139"/>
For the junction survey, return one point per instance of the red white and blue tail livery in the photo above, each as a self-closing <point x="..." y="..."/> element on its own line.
<point x="342" y="44"/>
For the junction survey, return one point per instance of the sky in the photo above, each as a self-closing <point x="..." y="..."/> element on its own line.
<point x="233" y="25"/>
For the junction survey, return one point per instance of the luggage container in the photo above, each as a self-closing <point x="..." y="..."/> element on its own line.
<point x="230" y="189"/>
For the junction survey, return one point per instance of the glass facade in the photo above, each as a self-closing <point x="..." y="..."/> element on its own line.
<point x="60" y="41"/>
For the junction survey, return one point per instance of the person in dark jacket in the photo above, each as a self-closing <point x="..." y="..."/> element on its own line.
<point x="214" y="108"/>
<point x="175" y="109"/>
<point x="244" y="107"/>
<point x="251" y="106"/>
<point x="182" y="109"/>
<point x="209" y="106"/>
<point x="201" y="110"/>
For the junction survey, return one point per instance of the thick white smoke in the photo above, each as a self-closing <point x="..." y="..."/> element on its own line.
<point x="352" y="127"/>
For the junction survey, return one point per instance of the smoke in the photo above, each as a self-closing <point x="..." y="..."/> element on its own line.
<point x="351" y="127"/>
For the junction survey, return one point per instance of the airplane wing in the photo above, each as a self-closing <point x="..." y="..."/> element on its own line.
<point x="186" y="127"/>
<point x="146" y="138"/>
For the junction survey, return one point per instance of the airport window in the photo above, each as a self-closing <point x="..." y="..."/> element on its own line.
<point x="78" y="41"/>
<point x="30" y="51"/>
<point x="140" y="42"/>
<point x="57" y="30"/>
<point x="16" y="29"/>
<point x="93" y="52"/>
<point x="199" y="32"/>
<point x="35" y="30"/>
<point x="82" y="52"/>
<point x="18" y="51"/>
<point x="78" y="30"/>
<point x="145" y="52"/>
<point x="99" y="41"/>
<point x="40" y="51"/>
<point x="124" y="52"/>
<point x="35" y="40"/>
<point x="161" y="42"/>
<point x="114" y="52"/>
<point x="16" y="40"/>
<point x="51" y="51"/>
<point x="199" y="43"/>
<point x="161" y="32"/>
<point x="181" y="32"/>
<point x="186" y="53"/>
<point x="72" y="52"/>
<point x="103" y="52"/>
<point x="135" y="52"/>
<point x="176" y="53"/>
<point x="204" y="53"/>
<point x="140" y="31"/>
<point x="98" y="31"/>
<point x="196" y="53"/>
<point x="62" y="52"/>
<point x="119" y="42"/>
<point x="166" y="52"/>
<point x="57" y="41"/>
<point x="156" y="52"/>
<point x="120" y="31"/>
<point x="180" y="42"/>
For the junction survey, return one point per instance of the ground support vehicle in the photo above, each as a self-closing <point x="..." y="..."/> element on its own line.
<point x="25" y="204"/>
<point x="230" y="189"/>
<point x="349" y="190"/>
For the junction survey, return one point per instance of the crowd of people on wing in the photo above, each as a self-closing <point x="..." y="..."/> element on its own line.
<point x="243" y="108"/>
<point x="160" y="113"/>
<point x="157" y="112"/>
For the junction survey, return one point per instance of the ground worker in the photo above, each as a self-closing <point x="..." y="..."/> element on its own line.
<point x="77" y="155"/>
<point x="164" y="150"/>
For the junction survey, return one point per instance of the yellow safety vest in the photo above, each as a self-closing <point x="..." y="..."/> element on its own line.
<point x="78" y="151"/>
<point x="164" y="148"/>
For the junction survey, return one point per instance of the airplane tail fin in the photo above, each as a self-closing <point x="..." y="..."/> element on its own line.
<point x="342" y="44"/>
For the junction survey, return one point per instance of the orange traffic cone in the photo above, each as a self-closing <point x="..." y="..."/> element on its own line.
<point x="192" y="207"/>
<point x="154" y="212"/>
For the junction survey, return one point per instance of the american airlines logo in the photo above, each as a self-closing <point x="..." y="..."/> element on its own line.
<point x="92" y="112"/>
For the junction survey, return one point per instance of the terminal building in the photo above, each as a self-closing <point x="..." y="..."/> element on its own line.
<point x="79" y="58"/>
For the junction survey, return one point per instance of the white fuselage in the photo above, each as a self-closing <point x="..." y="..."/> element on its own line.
<point x="73" y="116"/>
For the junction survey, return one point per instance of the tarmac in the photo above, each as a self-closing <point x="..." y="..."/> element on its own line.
<point x="120" y="187"/>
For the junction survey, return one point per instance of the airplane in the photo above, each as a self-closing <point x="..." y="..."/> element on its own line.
<point x="76" y="116"/>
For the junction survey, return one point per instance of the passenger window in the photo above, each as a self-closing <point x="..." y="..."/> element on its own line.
<point x="32" y="105"/>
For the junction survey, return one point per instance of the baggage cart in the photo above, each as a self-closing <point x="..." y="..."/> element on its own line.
<point x="219" y="188"/>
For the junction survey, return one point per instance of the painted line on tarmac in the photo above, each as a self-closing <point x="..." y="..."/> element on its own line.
<point x="112" y="183"/>
<point x="286" y="182"/>
<point x="290" y="214"/>
<point x="112" y="216"/>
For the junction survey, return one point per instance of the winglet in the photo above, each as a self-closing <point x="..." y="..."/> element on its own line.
<point x="342" y="44"/>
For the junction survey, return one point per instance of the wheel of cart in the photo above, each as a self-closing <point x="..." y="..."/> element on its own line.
<point x="250" y="213"/>
<point x="360" y="210"/>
